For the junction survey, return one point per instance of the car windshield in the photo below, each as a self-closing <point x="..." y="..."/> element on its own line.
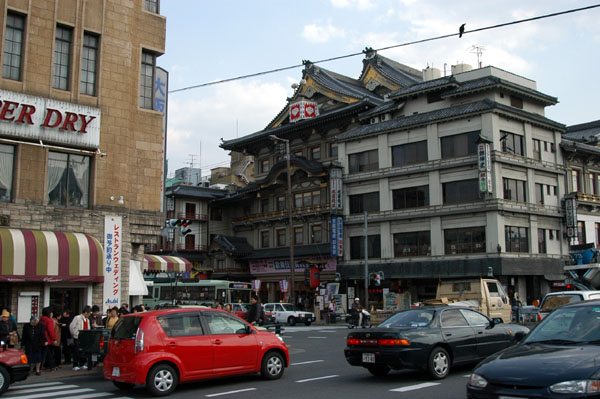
<point x="552" y="302"/>
<point x="410" y="318"/>
<point x="570" y="325"/>
<point x="289" y="307"/>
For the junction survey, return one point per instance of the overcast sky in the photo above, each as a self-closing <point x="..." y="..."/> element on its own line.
<point x="212" y="40"/>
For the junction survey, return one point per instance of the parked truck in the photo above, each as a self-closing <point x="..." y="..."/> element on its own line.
<point x="484" y="294"/>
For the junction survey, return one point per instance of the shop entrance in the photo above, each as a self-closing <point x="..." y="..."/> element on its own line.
<point x="66" y="298"/>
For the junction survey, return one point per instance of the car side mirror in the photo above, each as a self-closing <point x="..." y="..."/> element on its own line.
<point x="519" y="335"/>
<point x="497" y="320"/>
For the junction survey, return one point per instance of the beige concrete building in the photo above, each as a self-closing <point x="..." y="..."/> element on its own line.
<point x="81" y="149"/>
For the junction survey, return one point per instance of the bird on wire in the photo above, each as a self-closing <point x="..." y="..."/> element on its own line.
<point x="461" y="30"/>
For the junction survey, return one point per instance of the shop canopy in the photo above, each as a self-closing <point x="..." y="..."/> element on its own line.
<point x="52" y="256"/>
<point x="156" y="263"/>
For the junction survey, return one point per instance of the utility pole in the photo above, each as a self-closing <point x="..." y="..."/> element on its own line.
<point x="366" y="214"/>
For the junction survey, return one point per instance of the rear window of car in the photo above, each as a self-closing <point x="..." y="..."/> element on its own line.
<point x="410" y="318"/>
<point x="126" y="328"/>
<point x="552" y="302"/>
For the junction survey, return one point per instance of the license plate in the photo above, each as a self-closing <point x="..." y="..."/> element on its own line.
<point x="368" y="358"/>
<point x="94" y="357"/>
<point x="116" y="372"/>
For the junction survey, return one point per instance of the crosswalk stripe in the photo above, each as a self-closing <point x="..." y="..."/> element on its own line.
<point x="230" y="392"/>
<point x="59" y="394"/>
<point x="309" y="362"/>
<point x="415" y="387"/>
<point x="43" y="384"/>
<point x="318" y="378"/>
<point x="46" y="389"/>
<point x="90" y="395"/>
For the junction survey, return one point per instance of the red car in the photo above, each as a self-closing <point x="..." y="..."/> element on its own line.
<point x="162" y="348"/>
<point x="13" y="367"/>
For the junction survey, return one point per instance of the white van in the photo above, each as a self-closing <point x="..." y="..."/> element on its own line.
<point x="555" y="300"/>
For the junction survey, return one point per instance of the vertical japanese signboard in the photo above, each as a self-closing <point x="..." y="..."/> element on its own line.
<point x="340" y="236"/>
<point x="334" y="243"/>
<point x="571" y="216"/>
<point x="113" y="226"/>
<point x="161" y="87"/>
<point x="484" y="161"/>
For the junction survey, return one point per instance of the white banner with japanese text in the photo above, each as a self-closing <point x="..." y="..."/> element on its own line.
<point x="113" y="226"/>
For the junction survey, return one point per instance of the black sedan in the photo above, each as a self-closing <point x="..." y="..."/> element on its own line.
<point x="560" y="358"/>
<point x="430" y="338"/>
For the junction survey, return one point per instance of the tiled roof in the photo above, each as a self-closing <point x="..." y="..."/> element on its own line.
<point x="394" y="71"/>
<point x="585" y="132"/>
<point x="456" y="111"/>
<point x="341" y="84"/>
<point x="237" y="246"/>
<point x="385" y="107"/>
<point x="186" y="190"/>
<point x="423" y="87"/>
<point x="491" y="81"/>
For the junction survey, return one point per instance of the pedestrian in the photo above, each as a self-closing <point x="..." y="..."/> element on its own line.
<point x="357" y="311"/>
<point x="27" y="339"/>
<point x="138" y="309"/>
<point x="228" y="307"/>
<point x="79" y="323"/>
<point x="218" y="305"/>
<point x="515" y="305"/>
<point x="48" y="326"/>
<point x="34" y="341"/>
<point x="254" y="311"/>
<point x="124" y="309"/>
<point x="96" y="317"/>
<point x="65" y="335"/>
<point x="113" y="318"/>
<point x="8" y="329"/>
<point x="55" y="347"/>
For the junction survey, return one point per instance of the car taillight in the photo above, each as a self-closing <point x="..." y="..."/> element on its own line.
<point x="394" y="342"/>
<point x="352" y="341"/>
<point x="24" y="359"/>
<point x="139" y="341"/>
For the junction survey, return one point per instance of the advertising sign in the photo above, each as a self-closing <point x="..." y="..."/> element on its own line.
<point x="112" y="261"/>
<point x="484" y="163"/>
<point x="161" y="88"/>
<point x="334" y="243"/>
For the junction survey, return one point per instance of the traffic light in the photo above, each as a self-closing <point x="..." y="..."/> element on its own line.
<point x="185" y="230"/>
<point x="307" y="276"/>
<point x="377" y="279"/>
<point x="174" y="222"/>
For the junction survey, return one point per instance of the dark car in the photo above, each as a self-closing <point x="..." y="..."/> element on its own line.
<point x="560" y="358"/>
<point x="430" y="338"/>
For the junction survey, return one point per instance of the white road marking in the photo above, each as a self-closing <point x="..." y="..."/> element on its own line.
<point x="317" y="337"/>
<point x="309" y="362"/>
<point x="93" y="395"/>
<point x="229" y="392"/>
<point x="415" y="387"/>
<point x="43" y="384"/>
<point x="46" y="389"/>
<point x="59" y="394"/>
<point x="467" y="375"/>
<point x="327" y="331"/>
<point x="318" y="378"/>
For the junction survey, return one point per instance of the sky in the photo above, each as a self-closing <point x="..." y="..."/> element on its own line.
<point x="209" y="41"/>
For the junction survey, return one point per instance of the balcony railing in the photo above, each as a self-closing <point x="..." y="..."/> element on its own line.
<point x="185" y="215"/>
<point x="169" y="247"/>
<point x="584" y="197"/>
<point x="280" y="214"/>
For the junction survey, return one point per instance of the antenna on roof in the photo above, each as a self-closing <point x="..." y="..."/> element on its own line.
<point x="478" y="50"/>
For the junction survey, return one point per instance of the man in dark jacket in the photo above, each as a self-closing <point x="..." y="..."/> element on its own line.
<point x="34" y="342"/>
<point x="254" y="311"/>
<point x="65" y="336"/>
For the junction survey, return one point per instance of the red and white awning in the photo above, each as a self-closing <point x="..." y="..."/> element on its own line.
<point x="156" y="263"/>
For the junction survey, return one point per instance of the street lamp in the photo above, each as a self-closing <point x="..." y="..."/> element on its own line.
<point x="290" y="205"/>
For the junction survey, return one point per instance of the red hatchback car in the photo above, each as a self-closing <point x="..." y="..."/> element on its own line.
<point x="162" y="348"/>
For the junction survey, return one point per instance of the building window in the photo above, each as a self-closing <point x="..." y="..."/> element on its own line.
<point x="459" y="145"/>
<point x="417" y="243"/>
<point x="537" y="150"/>
<point x="264" y="239"/>
<point x="89" y="57"/>
<point x="411" y="197"/>
<point x="411" y="153"/>
<point x="357" y="247"/>
<point x="333" y="150"/>
<point x="216" y="214"/>
<point x="363" y="161"/>
<point x="7" y="161"/>
<point x="516" y="239"/>
<point x="511" y="143"/>
<point x="463" y="241"/>
<point x="368" y="202"/>
<point x="62" y="57"/>
<point x="151" y="5"/>
<point x="542" y="241"/>
<point x="458" y="192"/>
<point x="575" y="184"/>
<point x="281" y="238"/>
<point x="581" y="233"/>
<point x="539" y="193"/>
<point x="264" y="166"/>
<point x="515" y="190"/>
<point x="315" y="153"/>
<point x="147" y="80"/>
<point x="221" y="264"/>
<point x="516" y="102"/>
<point x="307" y="199"/>
<point x="592" y="181"/>
<point x="597" y="228"/>
<point x="13" y="46"/>
<point x="316" y="234"/>
<point x="264" y="206"/>
<point x="68" y="179"/>
<point x="281" y="203"/>
<point x="298" y="235"/>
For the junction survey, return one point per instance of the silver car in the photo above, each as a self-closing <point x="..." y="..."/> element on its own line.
<point x="288" y="313"/>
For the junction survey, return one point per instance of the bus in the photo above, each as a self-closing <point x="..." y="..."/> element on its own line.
<point x="202" y="292"/>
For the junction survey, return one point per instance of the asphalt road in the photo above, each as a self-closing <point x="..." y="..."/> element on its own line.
<point x="318" y="369"/>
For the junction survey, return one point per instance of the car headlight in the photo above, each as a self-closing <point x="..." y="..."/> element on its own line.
<point x="477" y="381"/>
<point x="576" y="386"/>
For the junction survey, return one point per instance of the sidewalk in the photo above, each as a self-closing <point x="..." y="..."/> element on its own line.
<point x="63" y="373"/>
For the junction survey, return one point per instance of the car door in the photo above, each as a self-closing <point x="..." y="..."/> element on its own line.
<point x="279" y="313"/>
<point x="187" y="340"/>
<point x="235" y="350"/>
<point x="489" y="340"/>
<point x="459" y="335"/>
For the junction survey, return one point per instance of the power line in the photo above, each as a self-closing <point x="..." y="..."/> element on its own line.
<point x="520" y="21"/>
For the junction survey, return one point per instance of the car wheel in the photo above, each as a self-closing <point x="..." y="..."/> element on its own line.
<point x="292" y="321"/>
<point x="379" y="371"/>
<point x="4" y="380"/>
<point x="162" y="380"/>
<point x="308" y="322"/>
<point x="272" y="366"/>
<point x="124" y="386"/>
<point x="439" y="363"/>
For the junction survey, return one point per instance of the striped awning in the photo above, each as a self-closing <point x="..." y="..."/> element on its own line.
<point x="156" y="263"/>
<point x="35" y="255"/>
